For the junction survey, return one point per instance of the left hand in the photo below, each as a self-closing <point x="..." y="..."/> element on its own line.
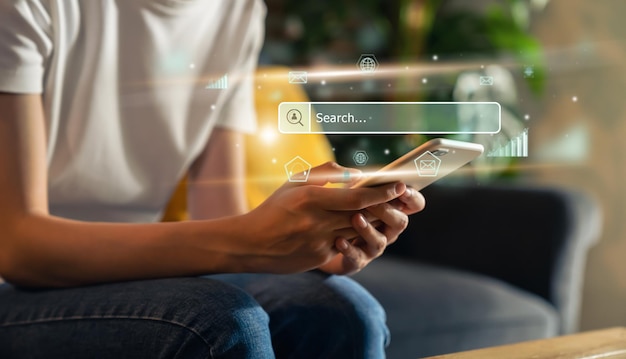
<point x="392" y="219"/>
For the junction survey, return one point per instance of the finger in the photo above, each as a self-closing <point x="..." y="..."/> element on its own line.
<point x="351" y="199"/>
<point x="412" y="200"/>
<point x="389" y="215"/>
<point x="329" y="172"/>
<point x="350" y="233"/>
<point x="368" y="216"/>
<point x="351" y="253"/>
<point x="395" y="221"/>
<point x="335" y="220"/>
<point x="347" y="233"/>
<point x="375" y="242"/>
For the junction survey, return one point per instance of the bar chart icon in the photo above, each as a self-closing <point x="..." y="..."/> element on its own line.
<point x="218" y="84"/>
<point x="515" y="147"/>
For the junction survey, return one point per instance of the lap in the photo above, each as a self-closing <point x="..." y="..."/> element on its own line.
<point x="327" y="310"/>
<point x="183" y="317"/>
<point x="304" y="308"/>
<point x="314" y="288"/>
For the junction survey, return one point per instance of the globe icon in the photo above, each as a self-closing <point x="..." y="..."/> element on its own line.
<point x="360" y="158"/>
<point x="367" y="64"/>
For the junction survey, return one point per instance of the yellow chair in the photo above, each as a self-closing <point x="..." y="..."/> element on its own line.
<point x="267" y="150"/>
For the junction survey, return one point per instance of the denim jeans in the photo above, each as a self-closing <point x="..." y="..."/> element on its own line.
<point x="307" y="315"/>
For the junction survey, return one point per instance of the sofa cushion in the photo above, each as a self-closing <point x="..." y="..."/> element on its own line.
<point x="433" y="310"/>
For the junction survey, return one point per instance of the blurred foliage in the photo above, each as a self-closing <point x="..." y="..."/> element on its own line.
<point x="501" y="30"/>
<point x="335" y="32"/>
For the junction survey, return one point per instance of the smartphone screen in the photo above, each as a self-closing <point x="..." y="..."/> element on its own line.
<point x="425" y="164"/>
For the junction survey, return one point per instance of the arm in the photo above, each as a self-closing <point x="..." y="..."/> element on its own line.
<point x="216" y="188"/>
<point x="294" y="230"/>
<point x="39" y="249"/>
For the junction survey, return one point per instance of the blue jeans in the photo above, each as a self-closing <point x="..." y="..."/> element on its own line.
<point x="307" y="315"/>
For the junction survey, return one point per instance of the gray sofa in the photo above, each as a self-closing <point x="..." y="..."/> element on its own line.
<point x="485" y="266"/>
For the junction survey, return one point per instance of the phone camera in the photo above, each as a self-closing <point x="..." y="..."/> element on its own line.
<point x="440" y="152"/>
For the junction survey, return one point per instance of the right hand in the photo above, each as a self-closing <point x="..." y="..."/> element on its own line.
<point x="295" y="229"/>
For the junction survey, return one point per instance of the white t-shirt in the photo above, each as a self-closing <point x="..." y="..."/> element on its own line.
<point x="125" y="92"/>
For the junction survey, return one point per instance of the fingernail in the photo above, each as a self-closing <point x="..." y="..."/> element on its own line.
<point x="361" y="221"/>
<point x="400" y="188"/>
<point x="343" y="244"/>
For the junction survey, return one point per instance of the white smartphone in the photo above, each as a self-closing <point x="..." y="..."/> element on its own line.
<point x="425" y="164"/>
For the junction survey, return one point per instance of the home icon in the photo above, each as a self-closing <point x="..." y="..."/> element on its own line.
<point x="427" y="164"/>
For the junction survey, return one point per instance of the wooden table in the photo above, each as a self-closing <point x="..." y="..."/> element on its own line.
<point x="600" y="344"/>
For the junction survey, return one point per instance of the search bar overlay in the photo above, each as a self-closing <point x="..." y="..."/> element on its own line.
<point x="389" y="117"/>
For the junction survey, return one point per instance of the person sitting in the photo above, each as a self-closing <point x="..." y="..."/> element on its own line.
<point x="103" y="108"/>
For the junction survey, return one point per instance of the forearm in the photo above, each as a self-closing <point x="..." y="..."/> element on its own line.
<point x="51" y="251"/>
<point x="206" y="201"/>
<point x="216" y="179"/>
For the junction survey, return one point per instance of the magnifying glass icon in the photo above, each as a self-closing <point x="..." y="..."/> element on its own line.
<point x="294" y="116"/>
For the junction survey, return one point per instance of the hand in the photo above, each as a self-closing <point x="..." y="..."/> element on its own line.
<point x="410" y="202"/>
<point x="383" y="225"/>
<point x="296" y="228"/>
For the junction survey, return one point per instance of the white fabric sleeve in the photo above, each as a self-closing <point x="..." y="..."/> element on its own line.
<point x="24" y="45"/>
<point x="238" y="112"/>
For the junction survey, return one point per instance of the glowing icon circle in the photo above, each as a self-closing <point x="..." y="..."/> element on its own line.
<point x="367" y="63"/>
<point x="294" y="117"/>
<point x="360" y="158"/>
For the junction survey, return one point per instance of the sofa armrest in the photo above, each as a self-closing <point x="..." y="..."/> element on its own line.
<point x="533" y="238"/>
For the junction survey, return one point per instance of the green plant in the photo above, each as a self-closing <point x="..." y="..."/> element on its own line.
<point x="500" y="31"/>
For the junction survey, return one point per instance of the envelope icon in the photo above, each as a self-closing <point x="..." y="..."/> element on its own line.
<point x="427" y="165"/>
<point x="297" y="77"/>
<point x="486" y="80"/>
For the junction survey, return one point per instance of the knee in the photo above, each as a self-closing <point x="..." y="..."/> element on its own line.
<point x="222" y="318"/>
<point x="333" y="318"/>
<point x="364" y="315"/>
